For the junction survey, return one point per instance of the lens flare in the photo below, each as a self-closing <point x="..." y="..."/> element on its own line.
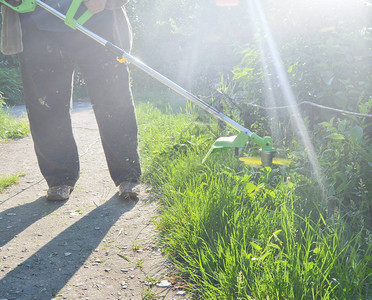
<point x="263" y="29"/>
<point x="227" y="2"/>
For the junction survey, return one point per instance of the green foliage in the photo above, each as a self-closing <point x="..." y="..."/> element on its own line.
<point x="6" y="181"/>
<point x="347" y="143"/>
<point x="326" y="57"/>
<point x="191" y="42"/>
<point x="339" y="75"/>
<point x="326" y="49"/>
<point x="9" y="126"/>
<point x="163" y="134"/>
<point x="10" y="79"/>
<point x="11" y="85"/>
<point x="9" y="61"/>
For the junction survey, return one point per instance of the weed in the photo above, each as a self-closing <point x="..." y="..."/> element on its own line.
<point x="136" y="247"/>
<point x="11" y="127"/>
<point x="151" y="280"/>
<point x="139" y="263"/>
<point x="148" y="294"/>
<point x="6" y="181"/>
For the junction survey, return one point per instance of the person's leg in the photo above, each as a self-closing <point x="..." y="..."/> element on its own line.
<point x="47" y="80"/>
<point x="108" y="88"/>
<point x="109" y="91"/>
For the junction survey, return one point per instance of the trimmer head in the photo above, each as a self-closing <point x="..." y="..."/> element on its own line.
<point x="241" y="140"/>
<point x="267" y="157"/>
<point x="223" y="143"/>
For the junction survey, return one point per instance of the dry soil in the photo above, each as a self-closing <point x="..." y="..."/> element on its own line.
<point x="93" y="246"/>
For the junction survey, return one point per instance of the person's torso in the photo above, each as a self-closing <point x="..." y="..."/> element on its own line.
<point x="45" y="20"/>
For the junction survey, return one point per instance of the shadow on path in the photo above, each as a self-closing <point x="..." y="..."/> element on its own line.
<point x="47" y="271"/>
<point x="16" y="219"/>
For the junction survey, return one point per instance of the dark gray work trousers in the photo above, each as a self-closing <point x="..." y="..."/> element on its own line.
<point x="47" y="65"/>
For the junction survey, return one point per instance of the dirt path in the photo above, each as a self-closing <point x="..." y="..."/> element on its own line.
<point x="94" y="246"/>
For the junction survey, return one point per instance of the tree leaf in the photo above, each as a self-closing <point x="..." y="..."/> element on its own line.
<point x="335" y="136"/>
<point x="356" y="131"/>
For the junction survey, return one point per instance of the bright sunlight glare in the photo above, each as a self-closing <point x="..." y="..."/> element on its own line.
<point x="300" y="19"/>
<point x="261" y="23"/>
<point x="227" y="2"/>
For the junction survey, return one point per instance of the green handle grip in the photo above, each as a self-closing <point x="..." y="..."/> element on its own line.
<point x="70" y="15"/>
<point x="23" y="7"/>
<point x="30" y="5"/>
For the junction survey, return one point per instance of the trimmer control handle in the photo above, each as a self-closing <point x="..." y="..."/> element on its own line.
<point x="70" y="15"/>
<point x="30" y="5"/>
<point x="23" y="7"/>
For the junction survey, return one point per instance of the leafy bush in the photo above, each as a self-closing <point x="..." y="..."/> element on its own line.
<point x="345" y="153"/>
<point x="326" y="58"/>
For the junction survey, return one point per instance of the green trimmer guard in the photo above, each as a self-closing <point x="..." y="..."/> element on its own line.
<point x="241" y="140"/>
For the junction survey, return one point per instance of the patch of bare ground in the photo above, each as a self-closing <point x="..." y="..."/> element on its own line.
<point x="93" y="246"/>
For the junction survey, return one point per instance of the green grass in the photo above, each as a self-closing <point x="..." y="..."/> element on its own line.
<point x="164" y="134"/>
<point x="11" y="127"/>
<point x="11" y="85"/>
<point x="238" y="233"/>
<point x="6" y="181"/>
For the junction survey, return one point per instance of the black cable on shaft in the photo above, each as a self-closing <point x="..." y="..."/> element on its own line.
<point x="304" y="103"/>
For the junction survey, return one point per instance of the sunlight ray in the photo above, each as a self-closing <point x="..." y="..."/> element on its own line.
<point x="258" y="13"/>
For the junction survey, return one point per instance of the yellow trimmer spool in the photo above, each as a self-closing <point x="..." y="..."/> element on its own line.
<point x="256" y="162"/>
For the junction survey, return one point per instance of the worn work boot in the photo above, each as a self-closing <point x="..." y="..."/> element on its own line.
<point x="128" y="189"/>
<point x="59" y="193"/>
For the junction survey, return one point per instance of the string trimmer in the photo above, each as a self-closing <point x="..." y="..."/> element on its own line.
<point x="238" y="141"/>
